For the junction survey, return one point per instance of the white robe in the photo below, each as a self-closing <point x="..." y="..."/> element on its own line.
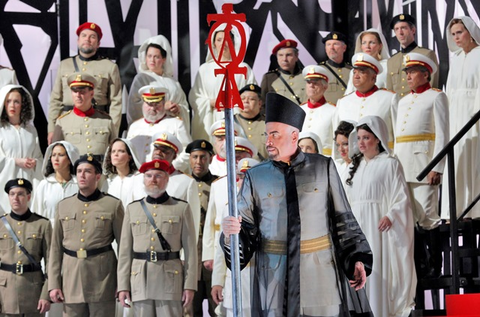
<point x="379" y="189"/>
<point x="141" y="135"/>
<point x="49" y="192"/>
<point x="123" y="188"/>
<point x="18" y="143"/>
<point x="206" y="88"/>
<point x="463" y="91"/>
<point x="175" y="94"/>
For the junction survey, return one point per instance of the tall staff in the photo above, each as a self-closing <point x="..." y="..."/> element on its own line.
<point x="227" y="98"/>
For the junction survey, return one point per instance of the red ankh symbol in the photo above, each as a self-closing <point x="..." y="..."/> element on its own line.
<point x="228" y="96"/>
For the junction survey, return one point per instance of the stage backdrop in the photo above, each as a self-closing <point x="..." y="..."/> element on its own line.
<point x="38" y="34"/>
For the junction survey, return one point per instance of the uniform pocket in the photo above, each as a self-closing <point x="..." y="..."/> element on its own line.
<point x="34" y="240"/>
<point x="139" y="226"/>
<point x="73" y="135"/>
<point x="170" y="225"/>
<point x="6" y="241"/>
<point x="103" y="221"/>
<point x="173" y="277"/>
<point x="68" y="222"/>
<point x="101" y="135"/>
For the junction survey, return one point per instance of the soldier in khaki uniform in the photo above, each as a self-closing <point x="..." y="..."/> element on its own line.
<point x="150" y="273"/>
<point x="404" y="27"/>
<point x="23" y="287"/>
<point x="83" y="267"/>
<point x="201" y="155"/>
<point x="335" y="47"/>
<point x="108" y="91"/>
<point x="90" y="130"/>
<point x="252" y="120"/>
<point x="287" y="79"/>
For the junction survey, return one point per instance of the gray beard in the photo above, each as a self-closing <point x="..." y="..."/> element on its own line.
<point x="154" y="192"/>
<point x="86" y="50"/>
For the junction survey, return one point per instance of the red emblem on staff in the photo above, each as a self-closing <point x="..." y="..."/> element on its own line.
<point x="228" y="96"/>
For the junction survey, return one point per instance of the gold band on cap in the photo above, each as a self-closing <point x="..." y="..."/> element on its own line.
<point x="366" y="64"/>
<point x="167" y="144"/>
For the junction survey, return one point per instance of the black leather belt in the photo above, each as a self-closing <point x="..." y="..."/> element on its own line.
<point x="83" y="254"/>
<point x="153" y="256"/>
<point x="103" y="108"/>
<point x="19" y="268"/>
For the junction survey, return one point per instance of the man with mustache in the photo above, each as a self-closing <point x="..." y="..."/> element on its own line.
<point x="108" y="90"/>
<point x="89" y="129"/>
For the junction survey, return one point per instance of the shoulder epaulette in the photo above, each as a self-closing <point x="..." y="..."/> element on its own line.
<point x="272" y="71"/>
<point x="322" y="63"/>
<point x="4" y="215"/>
<point x="395" y="54"/>
<point x="219" y="178"/>
<point x="437" y="90"/>
<point x="104" y="113"/>
<point x="63" y="115"/>
<point x="345" y="95"/>
<point x="110" y="195"/>
<point x="385" y="89"/>
<point x="333" y="104"/>
<point x="178" y="199"/>
<point x="304" y="103"/>
<point x="40" y="216"/>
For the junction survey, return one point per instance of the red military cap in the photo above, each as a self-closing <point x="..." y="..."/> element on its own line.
<point x="284" y="44"/>
<point x="90" y="26"/>
<point x="155" y="165"/>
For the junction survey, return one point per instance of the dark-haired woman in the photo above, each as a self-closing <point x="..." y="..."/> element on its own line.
<point x="20" y="155"/>
<point x="379" y="199"/>
<point x="205" y="90"/>
<point x="59" y="178"/>
<point x="121" y="167"/>
<point x="341" y="154"/>
<point x="156" y="68"/>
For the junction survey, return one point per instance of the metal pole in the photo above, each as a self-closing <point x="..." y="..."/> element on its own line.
<point x="454" y="289"/>
<point x="232" y="200"/>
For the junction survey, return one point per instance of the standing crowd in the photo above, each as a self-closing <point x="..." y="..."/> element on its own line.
<point x="326" y="157"/>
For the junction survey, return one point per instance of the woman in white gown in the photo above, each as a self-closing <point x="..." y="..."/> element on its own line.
<point x="121" y="167"/>
<point x="373" y="43"/>
<point x="205" y="90"/>
<point x="156" y="68"/>
<point x="463" y="91"/>
<point x="59" y="182"/>
<point x="20" y="155"/>
<point x="379" y="199"/>
<point x="59" y="178"/>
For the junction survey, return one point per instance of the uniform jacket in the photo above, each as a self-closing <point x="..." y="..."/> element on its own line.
<point x="141" y="135"/>
<point x="421" y="114"/>
<point x="320" y="121"/>
<point x="335" y="89"/>
<point x="382" y="103"/>
<point x="272" y="83"/>
<point x="89" y="134"/>
<point x="89" y="223"/>
<point x="19" y="294"/>
<point x="108" y="88"/>
<point x="161" y="280"/>
<point x="255" y="132"/>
